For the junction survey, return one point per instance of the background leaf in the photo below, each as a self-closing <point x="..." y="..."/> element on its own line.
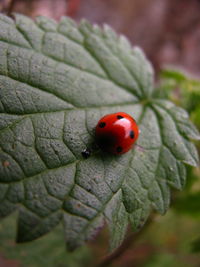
<point x="50" y="249"/>
<point x="56" y="81"/>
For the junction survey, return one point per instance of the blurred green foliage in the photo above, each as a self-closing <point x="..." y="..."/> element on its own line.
<point x="171" y="237"/>
<point x="183" y="90"/>
<point x="46" y="251"/>
<point x="196" y="245"/>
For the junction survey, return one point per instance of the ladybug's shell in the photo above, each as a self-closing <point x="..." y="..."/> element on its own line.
<point x="116" y="133"/>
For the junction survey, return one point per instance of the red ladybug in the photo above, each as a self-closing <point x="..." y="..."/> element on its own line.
<point x="116" y="133"/>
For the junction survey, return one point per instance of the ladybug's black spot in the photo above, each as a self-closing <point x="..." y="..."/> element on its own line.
<point x="119" y="149"/>
<point x="105" y="141"/>
<point x="132" y="135"/>
<point x="102" y="124"/>
<point x="120" y="117"/>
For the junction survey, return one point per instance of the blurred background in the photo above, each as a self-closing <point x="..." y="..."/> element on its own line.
<point x="169" y="33"/>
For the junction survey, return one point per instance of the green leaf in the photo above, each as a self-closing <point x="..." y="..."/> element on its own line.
<point x="56" y="81"/>
<point x="174" y="74"/>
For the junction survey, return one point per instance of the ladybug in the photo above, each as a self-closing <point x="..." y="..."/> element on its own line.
<point x="116" y="133"/>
